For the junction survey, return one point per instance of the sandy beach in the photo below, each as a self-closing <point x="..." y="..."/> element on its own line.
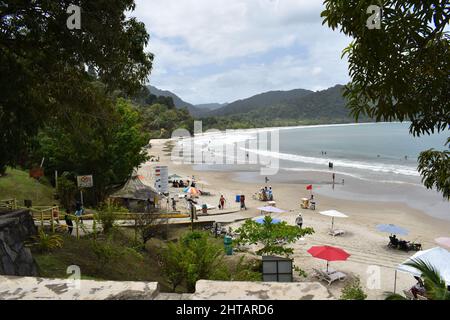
<point x="368" y="247"/>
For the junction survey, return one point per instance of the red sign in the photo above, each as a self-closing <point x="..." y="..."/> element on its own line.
<point x="36" y="172"/>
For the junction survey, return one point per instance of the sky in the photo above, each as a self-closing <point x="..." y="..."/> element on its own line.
<point x="209" y="51"/>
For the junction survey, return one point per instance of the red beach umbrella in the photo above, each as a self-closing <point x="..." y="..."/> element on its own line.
<point x="328" y="253"/>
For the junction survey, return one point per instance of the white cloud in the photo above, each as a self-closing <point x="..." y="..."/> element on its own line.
<point x="222" y="50"/>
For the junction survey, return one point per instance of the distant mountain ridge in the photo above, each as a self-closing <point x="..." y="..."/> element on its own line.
<point x="292" y="106"/>
<point x="262" y="100"/>
<point x="179" y="103"/>
<point x="211" y="106"/>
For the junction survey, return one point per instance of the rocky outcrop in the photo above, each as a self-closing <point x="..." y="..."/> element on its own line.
<point x="15" y="228"/>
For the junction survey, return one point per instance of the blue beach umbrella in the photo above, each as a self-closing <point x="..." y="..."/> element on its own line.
<point x="392" y="229"/>
<point x="261" y="220"/>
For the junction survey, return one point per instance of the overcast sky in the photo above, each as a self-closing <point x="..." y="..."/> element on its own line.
<point x="224" y="50"/>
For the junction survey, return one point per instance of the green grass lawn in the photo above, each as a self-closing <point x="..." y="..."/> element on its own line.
<point x="17" y="184"/>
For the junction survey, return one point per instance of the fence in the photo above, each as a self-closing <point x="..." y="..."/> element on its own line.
<point x="52" y="214"/>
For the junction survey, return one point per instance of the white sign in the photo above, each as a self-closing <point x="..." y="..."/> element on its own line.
<point x="85" y="181"/>
<point x="162" y="179"/>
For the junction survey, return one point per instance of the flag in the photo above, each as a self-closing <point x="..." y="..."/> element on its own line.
<point x="309" y="187"/>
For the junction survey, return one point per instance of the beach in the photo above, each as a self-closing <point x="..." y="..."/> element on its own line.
<point x="370" y="256"/>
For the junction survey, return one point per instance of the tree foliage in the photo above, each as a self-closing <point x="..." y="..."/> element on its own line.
<point x="44" y="65"/>
<point x="109" y="149"/>
<point x="353" y="291"/>
<point x="400" y="71"/>
<point x="195" y="256"/>
<point x="161" y="119"/>
<point x="273" y="237"/>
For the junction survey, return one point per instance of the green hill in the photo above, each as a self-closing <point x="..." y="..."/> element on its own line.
<point x="17" y="184"/>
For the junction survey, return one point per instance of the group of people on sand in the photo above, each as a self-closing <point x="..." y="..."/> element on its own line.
<point x="222" y="201"/>
<point x="266" y="193"/>
<point x="182" y="184"/>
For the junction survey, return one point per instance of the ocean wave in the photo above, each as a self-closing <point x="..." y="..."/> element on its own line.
<point x="340" y="163"/>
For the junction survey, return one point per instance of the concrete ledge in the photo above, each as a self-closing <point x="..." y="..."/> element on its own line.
<point x="225" y="290"/>
<point x="27" y="288"/>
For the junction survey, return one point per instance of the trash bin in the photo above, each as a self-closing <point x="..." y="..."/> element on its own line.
<point x="228" y="242"/>
<point x="238" y="198"/>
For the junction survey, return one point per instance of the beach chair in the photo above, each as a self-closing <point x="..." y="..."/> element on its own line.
<point x="335" y="233"/>
<point x="409" y="295"/>
<point x="330" y="278"/>
<point x="419" y="297"/>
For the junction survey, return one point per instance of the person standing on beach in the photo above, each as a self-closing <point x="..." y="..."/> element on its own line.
<point x="299" y="221"/>
<point x="174" y="204"/>
<point x="266" y="179"/>
<point x="222" y="202"/>
<point x="243" y="206"/>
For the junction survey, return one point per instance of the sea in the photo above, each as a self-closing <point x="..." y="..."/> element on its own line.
<point x="370" y="161"/>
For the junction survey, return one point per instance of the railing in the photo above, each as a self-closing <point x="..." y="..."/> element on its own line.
<point x="52" y="214"/>
<point x="8" y="204"/>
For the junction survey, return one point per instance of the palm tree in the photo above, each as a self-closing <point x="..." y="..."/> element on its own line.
<point x="435" y="286"/>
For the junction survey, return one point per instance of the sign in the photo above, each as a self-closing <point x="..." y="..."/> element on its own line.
<point x="162" y="179"/>
<point x="36" y="172"/>
<point x="85" y="181"/>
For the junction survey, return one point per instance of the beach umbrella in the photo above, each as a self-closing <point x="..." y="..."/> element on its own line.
<point x="443" y="241"/>
<point x="192" y="191"/>
<point x="328" y="253"/>
<point x="261" y="220"/>
<point x="271" y="209"/>
<point x="175" y="177"/>
<point x="392" y="229"/>
<point x="333" y="214"/>
<point x="437" y="257"/>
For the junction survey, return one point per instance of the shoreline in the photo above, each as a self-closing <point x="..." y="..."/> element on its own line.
<point x="366" y="245"/>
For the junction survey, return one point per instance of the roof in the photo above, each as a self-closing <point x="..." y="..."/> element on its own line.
<point x="135" y="189"/>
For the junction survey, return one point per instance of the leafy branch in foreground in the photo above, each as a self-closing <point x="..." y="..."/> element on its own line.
<point x="435" y="169"/>
<point x="400" y="72"/>
<point x="435" y="286"/>
<point x="273" y="237"/>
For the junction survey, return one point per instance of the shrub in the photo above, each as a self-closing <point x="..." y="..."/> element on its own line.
<point x="353" y="291"/>
<point x="44" y="242"/>
<point x="246" y="271"/>
<point x="105" y="252"/>
<point x="107" y="216"/>
<point x="195" y="256"/>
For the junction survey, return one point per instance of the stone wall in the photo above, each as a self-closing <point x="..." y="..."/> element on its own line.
<point x="15" y="259"/>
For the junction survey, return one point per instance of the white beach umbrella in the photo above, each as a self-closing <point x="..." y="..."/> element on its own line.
<point x="437" y="257"/>
<point x="333" y="214"/>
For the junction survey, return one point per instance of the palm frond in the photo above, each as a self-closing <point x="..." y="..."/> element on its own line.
<point x="434" y="283"/>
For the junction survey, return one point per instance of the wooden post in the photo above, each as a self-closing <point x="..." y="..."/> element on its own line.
<point x="52" y="220"/>
<point x="78" y="228"/>
<point x="94" y="227"/>
<point x="135" y="229"/>
<point x="42" y="219"/>
<point x="395" y="281"/>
